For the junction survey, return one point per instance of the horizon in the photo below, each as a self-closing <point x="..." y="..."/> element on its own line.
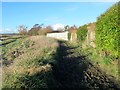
<point x="50" y="13"/>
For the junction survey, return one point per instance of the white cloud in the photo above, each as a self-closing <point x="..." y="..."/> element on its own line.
<point x="58" y="26"/>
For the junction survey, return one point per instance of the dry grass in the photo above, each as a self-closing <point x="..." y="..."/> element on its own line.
<point x="33" y="70"/>
<point x="29" y="63"/>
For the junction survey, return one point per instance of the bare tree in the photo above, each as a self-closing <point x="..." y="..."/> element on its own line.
<point x="22" y="29"/>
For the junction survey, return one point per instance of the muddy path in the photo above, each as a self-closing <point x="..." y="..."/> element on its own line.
<point x="73" y="70"/>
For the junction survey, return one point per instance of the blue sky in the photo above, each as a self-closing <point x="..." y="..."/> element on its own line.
<point x="50" y="13"/>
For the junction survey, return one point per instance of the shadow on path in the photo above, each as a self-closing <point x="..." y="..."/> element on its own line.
<point x="75" y="71"/>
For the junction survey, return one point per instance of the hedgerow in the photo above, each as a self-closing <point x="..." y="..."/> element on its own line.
<point x="108" y="31"/>
<point x="82" y="33"/>
<point x="69" y="35"/>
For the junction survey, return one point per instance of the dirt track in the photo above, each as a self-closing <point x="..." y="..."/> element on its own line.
<point x="73" y="70"/>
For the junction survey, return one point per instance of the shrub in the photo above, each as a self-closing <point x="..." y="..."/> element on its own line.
<point x="108" y="31"/>
<point x="69" y="35"/>
<point x="82" y="33"/>
<point x="38" y="30"/>
<point x="33" y="31"/>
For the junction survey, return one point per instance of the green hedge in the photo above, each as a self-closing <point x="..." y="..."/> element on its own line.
<point x="108" y="31"/>
<point x="69" y="35"/>
<point x="82" y="33"/>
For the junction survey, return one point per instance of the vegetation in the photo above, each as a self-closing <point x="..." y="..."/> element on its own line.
<point x="107" y="64"/>
<point x="22" y="29"/>
<point x="31" y="67"/>
<point x="40" y="63"/>
<point x="45" y="30"/>
<point x="39" y="30"/>
<point x="108" y="31"/>
<point x="82" y="33"/>
<point x="32" y="60"/>
<point x="69" y="35"/>
<point x="106" y="54"/>
<point x="8" y="39"/>
<point x="35" y="29"/>
<point x="8" y="44"/>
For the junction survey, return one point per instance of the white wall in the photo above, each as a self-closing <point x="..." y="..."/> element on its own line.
<point x="61" y="36"/>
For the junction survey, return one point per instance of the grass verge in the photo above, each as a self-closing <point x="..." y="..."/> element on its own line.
<point x="108" y="64"/>
<point x="32" y="68"/>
